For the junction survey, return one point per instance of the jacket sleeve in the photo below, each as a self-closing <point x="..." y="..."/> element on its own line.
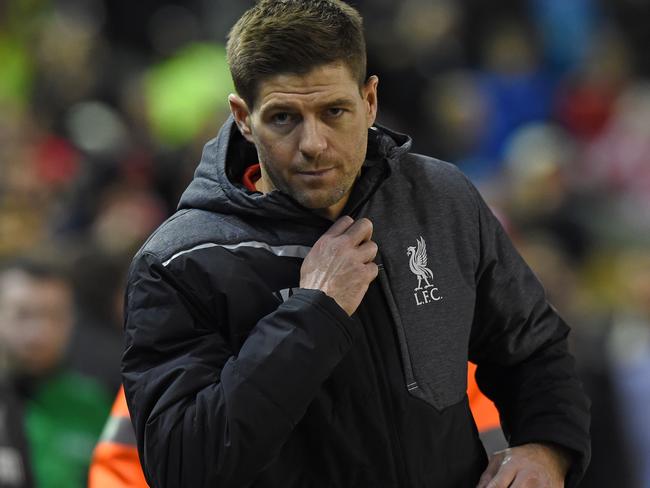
<point x="205" y="415"/>
<point x="519" y="343"/>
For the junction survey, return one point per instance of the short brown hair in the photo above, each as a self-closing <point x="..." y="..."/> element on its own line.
<point x="293" y="36"/>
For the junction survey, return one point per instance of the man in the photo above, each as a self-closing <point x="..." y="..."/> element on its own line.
<point x="307" y="322"/>
<point x="55" y="415"/>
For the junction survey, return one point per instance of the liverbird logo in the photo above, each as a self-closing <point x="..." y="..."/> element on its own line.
<point x="418" y="265"/>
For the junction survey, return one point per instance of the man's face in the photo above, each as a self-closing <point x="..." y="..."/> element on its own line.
<point x="311" y="133"/>
<point x="35" y="320"/>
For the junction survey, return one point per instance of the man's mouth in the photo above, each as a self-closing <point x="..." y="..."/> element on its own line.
<point x="319" y="172"/>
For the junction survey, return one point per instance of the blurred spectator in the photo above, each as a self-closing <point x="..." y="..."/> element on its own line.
<point x="618" y="160"/>
<point x="566" y="29"/>
<point x="98" y="280"/>
<point x="585" y="97"/>
<point x="105" y="107"/>
<point x="58" y="413"/>
<point x="629" y="352"/>
<point x="613" y="454"/>
<point x="517" y="88"/>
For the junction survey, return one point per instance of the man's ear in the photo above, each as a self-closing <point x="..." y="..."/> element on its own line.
<point x="242" y="115"/>
<point x="369" y="93"/>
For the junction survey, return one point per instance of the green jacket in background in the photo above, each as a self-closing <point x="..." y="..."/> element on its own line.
<point x="64" y="416"/>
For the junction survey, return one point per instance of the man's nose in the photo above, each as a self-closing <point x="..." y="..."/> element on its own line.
<point x="312" y="139"/>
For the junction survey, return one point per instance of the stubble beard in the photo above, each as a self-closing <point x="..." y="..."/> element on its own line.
<point x="320" y="198"/>
<point x="315" y="199"/>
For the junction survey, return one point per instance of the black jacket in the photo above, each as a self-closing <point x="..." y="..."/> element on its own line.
<point x="235" y="377"/>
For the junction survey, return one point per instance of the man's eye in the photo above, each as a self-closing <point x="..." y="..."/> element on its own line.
<point x="281" y="118"/>
<point x="335" y="112"/>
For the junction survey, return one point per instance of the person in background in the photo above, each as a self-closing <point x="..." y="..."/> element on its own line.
<point x="115" y="462"/>
<point x="55" y="413"/>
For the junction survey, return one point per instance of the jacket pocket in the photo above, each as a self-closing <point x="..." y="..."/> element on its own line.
<point x="433" y="350"/>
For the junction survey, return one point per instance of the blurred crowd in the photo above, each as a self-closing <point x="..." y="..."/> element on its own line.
<point x="104" y="109"/>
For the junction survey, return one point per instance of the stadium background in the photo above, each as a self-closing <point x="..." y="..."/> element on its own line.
<point x="106" y="104"/>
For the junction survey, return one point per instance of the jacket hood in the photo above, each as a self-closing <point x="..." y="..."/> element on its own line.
<point x="216" y="185"/>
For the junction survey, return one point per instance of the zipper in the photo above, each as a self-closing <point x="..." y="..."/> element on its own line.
<point x="409" y="376"/>
<point x="403" y="477"/>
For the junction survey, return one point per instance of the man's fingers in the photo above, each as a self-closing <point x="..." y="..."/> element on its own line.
<point x="505" y="475"/>
<point x="373" y="270"/>
<point x="360" y="231"/>
<point x="526" y="466"/>
<point x="485" y="478"/>
<point x="340" y="226"/>
<point x="367" y="251"/>
<point x="503" y="479"/>
<point x="491" y="470"/>
<point x="526" y="482"/>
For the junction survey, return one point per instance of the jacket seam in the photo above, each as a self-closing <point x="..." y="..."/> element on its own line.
<point x="160" y="229"/>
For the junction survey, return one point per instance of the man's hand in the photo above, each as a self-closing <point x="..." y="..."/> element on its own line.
<point x="340" y="263"/>
<point x="527" y="466"/>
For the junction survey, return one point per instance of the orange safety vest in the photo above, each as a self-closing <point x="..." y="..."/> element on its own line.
<point x="116" y="464"/>
<point x="484" y="412"/>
